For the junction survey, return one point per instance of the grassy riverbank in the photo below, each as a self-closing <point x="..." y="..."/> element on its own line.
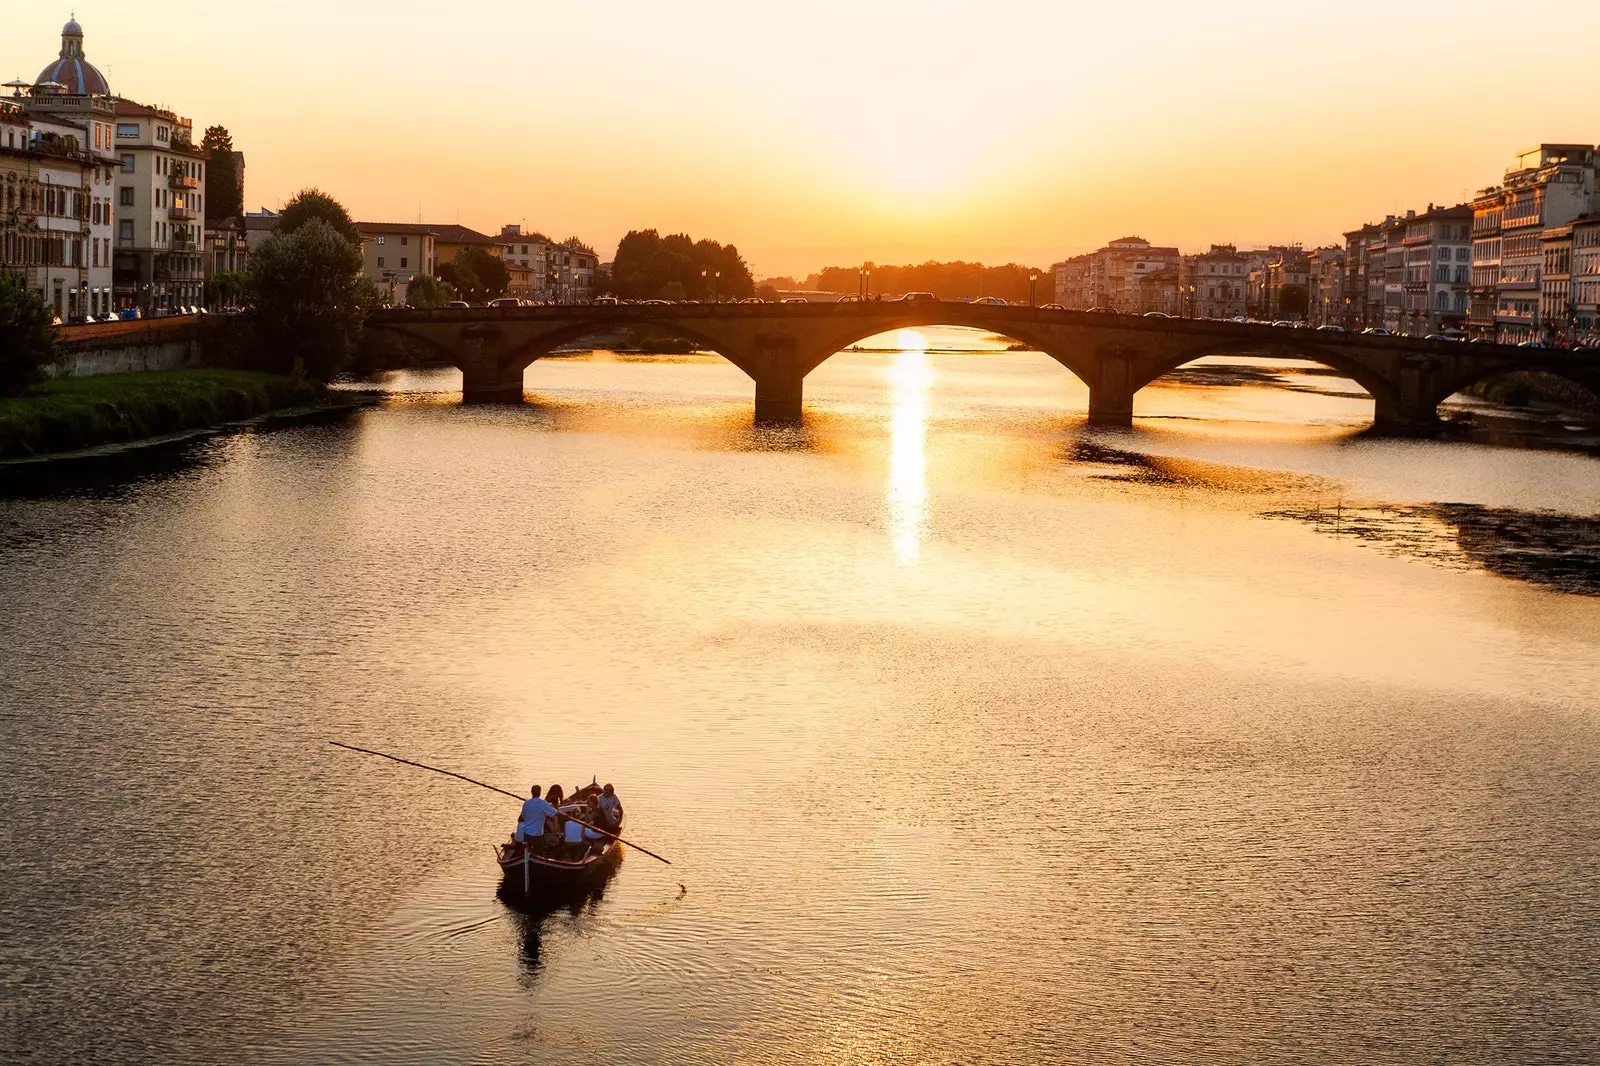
<point x="69" y="414"/>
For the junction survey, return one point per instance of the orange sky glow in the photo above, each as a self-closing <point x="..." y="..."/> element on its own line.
<point x="820" y="132"/>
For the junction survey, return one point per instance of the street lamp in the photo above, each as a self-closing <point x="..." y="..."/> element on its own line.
<point x="1033" y="280"/>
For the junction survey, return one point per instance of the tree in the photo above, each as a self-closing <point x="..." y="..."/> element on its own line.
<point x="309" y="204"/>
<point x="476" y="275"/>
<point x="308" y="303"/>
<point x="951" y="281"/>
<point x="647" y="263"/>
<point x="1293" y="300"/>
<point x="426" y="291"/>
<point x="27" y="336"/>
<point x="224" y="183"/>
<point x="225" y="288"/>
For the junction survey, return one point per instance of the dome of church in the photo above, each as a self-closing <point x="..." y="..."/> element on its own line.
<point x="74" y="73"/>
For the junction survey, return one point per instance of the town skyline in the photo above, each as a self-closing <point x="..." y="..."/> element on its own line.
<point x="1029" y="152"/>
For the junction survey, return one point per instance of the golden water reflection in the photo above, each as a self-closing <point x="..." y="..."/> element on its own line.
<point x="910" y="379"/>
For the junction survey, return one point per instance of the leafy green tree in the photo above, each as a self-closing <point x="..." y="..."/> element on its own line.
<point x="226" y="288"/>
<point x="426" y="291"/>
<point x="224" y="183"/>
<point x="308" y="204"/>
<point x="647" y="262"/>
<point x="308" y="303"/>
<point x="27" y="336"/>
<point x="476" y="275"/>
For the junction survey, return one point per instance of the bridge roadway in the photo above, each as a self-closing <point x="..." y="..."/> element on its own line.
<point x="777" y="345"/>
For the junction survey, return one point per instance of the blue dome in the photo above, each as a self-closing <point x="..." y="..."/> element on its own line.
<point x="74" y="73"/>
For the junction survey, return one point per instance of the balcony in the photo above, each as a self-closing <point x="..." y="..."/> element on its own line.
<point x="182" y="214"/>
<point x="184" y="244"/>
<point x="183" y="181"/>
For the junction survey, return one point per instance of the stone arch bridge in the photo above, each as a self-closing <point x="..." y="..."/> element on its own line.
<point x="777" y="345"/>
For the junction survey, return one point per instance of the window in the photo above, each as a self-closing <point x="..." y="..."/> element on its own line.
<point x="127" y="129"/>
<point x="127" y="162"/>
<point x="125" y="231"/>
<point x="125" y="196"/>
<point x="403" y="262"/>
<point x="380" y="262"/>
<point x="403" y="242"/>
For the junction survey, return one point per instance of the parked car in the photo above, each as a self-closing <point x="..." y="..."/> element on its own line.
<point x="919" y="298"/>
<point x="1330" y="329"/>
<point x="505" y="301"/>
<point x="990" y="301"/>
<point x="1376" y="331"/>
<point x="1103" y="311"/>
<point x="458" y="304"/>
<point x="849" y="300"/>
<point x="795" y="300"/>
<point x="605" y="301"/>
<point x="1156" y="314"/>
<point x="746" y="300"/>
<point x="1284" y="323"/>
<point x="1052" y="307"/>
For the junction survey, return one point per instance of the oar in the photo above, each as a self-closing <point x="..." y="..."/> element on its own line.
<point x="494" y="788"/>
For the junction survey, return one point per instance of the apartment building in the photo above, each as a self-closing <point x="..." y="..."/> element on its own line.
<point x="1213" y="283"/>
<point x="158" y="261"/>
<point x="1326" y="273"/>
<point x="393" y="254"/>
<point x="1115" y="277"/>
<point x="1548" y="187"/>
<point x="1437" y="247"/>
<point x="1585" y="280"/>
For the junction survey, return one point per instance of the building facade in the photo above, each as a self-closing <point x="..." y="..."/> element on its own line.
<point x="1326" y="273"/>
<point x="1115" y="277"/>
<point x="1547" y="188"/>
<point x="1213" y="283"/>
<point x="393" y="254"/>
<point x="158" y="262"/>
<point x="1437" y="246"/>
<point x="1586" y="280"/>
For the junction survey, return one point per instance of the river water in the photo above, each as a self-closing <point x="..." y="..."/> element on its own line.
<point x="973" y="734"/>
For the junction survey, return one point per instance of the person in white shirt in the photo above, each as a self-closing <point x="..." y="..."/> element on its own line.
<point x="536" y="812"/>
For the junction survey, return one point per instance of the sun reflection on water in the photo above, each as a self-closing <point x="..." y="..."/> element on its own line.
<point x="910" y="380"/>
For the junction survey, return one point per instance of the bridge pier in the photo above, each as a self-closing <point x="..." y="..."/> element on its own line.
<point x="1111" y="393"/>
<point x="780" y="383"/>
<point x="484" y="376"/>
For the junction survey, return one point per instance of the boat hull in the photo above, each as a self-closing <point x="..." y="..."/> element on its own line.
<point x="525" y="875"/>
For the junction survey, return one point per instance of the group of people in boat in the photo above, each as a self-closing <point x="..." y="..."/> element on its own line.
<point x="558" y="827"/>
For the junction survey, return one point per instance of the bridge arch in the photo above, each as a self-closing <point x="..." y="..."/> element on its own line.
<point x="838" y="337"/>
<point x="1562" y="366"/>
<point x="1385" y="397"/>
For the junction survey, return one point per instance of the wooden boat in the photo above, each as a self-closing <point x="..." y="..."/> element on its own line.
<point x="529" y="875"/>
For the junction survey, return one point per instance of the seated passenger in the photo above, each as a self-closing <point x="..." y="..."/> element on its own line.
<point x="572" y="836"/>
<point x="610" y="808"/>
<point x="593" y="815"/>
<point x="534" y="821"/>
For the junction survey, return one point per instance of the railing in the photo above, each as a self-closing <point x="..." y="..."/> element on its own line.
<point x="182" y="214"/>
<point x="183" y="181"/>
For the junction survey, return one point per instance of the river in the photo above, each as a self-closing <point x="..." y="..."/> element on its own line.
<point x="973" y="734"/>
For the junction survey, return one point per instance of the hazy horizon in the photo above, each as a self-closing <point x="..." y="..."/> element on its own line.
<point x="822" y="134"/>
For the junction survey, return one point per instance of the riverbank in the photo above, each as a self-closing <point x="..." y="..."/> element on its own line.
<point x="78" y="413"/>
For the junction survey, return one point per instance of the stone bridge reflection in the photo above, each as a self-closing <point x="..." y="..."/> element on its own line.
<point x="777" y="345"/>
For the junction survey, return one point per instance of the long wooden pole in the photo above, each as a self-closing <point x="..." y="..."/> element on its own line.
<point x="495" y="788"/>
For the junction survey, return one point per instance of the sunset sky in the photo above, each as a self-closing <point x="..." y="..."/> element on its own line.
<point x="821" y="132"/>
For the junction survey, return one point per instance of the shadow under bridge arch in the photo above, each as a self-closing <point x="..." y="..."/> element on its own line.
<point x="1146" y="368"/>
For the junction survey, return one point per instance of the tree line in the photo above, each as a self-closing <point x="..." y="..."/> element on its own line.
<point x="950" y="281"/>
<point x="649" y="266"/>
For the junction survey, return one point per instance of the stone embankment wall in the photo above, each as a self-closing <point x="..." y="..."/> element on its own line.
<point x="130" y="347"/>
<point x="214" y="342"/>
